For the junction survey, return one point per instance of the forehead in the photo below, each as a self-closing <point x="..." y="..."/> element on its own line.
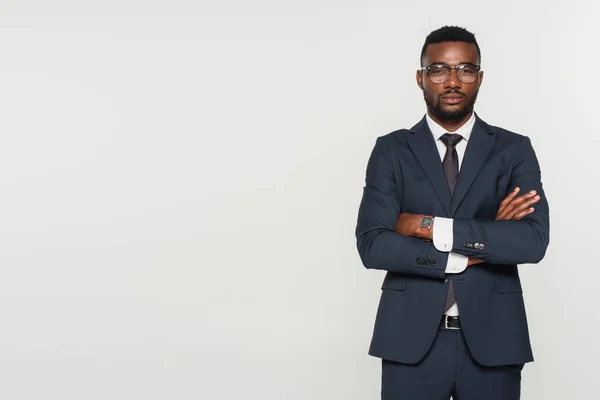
<point x="451" y="53"/>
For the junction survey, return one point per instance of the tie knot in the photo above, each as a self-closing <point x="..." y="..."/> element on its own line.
<point x="451" y="139"/>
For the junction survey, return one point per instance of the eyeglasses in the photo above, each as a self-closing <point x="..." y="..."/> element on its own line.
<point x="439" y="73"/>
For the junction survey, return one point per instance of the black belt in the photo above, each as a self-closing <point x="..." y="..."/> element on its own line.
<point x="448" y="322"/>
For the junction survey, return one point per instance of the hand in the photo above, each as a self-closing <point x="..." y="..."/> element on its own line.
<point x="512" y="208"/>
<point x="409" y="225"/>
<point x="515" y="208"/>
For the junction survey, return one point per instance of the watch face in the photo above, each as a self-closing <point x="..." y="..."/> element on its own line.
<point x="426" y="222"/>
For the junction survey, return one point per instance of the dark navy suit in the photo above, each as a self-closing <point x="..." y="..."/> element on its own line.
<point x="405" y="174"/>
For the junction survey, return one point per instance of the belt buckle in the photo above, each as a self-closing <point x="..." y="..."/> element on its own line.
<point x="446" y="324"/>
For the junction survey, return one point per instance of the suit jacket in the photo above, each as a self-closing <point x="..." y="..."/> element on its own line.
<point x="405" y="174"/>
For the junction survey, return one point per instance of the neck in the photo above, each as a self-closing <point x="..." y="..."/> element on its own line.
<point x="450" y="125"/>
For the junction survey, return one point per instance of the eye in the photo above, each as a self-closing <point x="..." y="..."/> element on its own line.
<point x="469" y="70"/>
<point x="437" y="71"/>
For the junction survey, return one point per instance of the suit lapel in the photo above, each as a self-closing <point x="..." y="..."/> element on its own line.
<point x="423" y="147"/>
<point x="478" y="148"/>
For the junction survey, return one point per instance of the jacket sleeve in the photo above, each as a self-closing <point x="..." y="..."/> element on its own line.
<point x="379" y="246"/>
<point x="508" y="241"/>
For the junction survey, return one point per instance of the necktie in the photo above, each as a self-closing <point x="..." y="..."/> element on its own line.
<point x="450" y="164"/>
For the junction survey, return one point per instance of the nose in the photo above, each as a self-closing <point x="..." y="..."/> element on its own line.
<point x="453" y="81"/>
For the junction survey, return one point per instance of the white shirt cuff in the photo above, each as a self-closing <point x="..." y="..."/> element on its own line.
<point x="443" y="234"/>
<point x="456" y="264"/>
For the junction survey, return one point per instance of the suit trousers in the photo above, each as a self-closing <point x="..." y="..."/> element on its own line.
<point x="448" y="370"/>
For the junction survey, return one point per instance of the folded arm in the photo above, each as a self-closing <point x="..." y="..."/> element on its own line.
<point x="379" y="246"/>
<point x="510" y="241"/>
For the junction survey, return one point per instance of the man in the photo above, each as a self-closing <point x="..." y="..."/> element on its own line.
<point x="449" y="208"/>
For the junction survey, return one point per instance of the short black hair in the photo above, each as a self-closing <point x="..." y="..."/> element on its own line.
<point x="450" y="34"/>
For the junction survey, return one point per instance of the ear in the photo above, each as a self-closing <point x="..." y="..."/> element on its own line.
<point x="480" y="79"/>
<point x="420" y="78"/>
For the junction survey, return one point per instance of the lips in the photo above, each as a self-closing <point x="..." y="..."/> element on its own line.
<point x="452" y="99"/>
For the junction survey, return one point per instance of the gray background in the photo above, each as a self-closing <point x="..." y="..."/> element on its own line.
<point x="180" y="184"/>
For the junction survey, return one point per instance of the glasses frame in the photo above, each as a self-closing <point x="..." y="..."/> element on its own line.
<point x="458" y="69"/>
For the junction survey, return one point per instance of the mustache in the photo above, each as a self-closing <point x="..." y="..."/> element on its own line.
<point x="455" y="92"/>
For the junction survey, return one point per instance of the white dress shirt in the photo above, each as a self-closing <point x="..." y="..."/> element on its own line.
<point x="443" y="232"/>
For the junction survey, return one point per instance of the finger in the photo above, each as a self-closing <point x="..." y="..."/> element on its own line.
<point x="519" y="202"/>
<point x="536" y="199"/>
<point x="523" y="214"/>
<point x="508" y="199"/>
<point x="502" y="209"/>
<point x="514" y="210"/>
<point x="518" y="214"/>
<point x="524" y="197"/>
<point x="527" y="204"/>
<point x="511" y="195"/>
<point x="533" y="200"/>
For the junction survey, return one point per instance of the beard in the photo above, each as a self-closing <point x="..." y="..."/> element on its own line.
<point x="455" y="113"/>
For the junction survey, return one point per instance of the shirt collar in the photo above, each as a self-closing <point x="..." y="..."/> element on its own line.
<point x="438" y="131"/>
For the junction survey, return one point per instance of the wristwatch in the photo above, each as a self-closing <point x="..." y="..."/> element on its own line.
<point x="426" y="224"/>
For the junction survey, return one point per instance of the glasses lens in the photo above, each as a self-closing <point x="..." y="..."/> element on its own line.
<point x="467" y="73"/>
<point x="438" y="73"/>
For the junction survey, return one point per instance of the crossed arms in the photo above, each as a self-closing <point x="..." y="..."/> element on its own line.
<point x="389" y="240"/>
